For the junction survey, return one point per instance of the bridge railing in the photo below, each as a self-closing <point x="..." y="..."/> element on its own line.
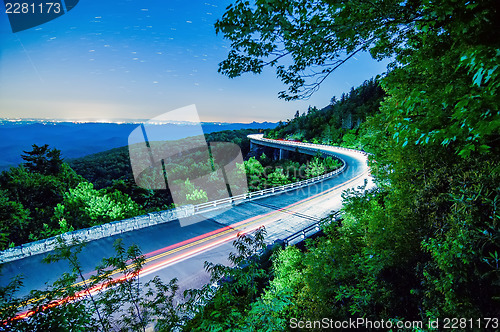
<point x="308" y="231"/>
<point x="315" y="147"/>
<point x="284" y="188"/>
<point x="266" y="192"/>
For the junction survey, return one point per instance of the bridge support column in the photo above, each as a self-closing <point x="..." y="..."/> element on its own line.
<point x="283" y="154"/>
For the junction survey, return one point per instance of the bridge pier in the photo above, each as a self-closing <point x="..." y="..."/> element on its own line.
<point x="272" y="152"/>
<point x="278" y="154"/>
<point x="275" y="154"/>
<point x="283" y="154"/>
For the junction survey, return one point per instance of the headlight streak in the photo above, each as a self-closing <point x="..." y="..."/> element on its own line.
<point x="227" y="233"/>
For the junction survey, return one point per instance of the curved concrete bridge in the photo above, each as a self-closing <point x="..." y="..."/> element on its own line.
<point x="175" y="251"/>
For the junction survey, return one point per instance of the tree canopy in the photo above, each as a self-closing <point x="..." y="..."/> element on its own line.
<point x="425" y="243"/>
<point x="43" y="160"/>
<point x="337" y="122"/>
<point x="307" y="40"/>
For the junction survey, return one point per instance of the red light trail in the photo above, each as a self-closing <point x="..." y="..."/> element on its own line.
<point x="188" y="248"/>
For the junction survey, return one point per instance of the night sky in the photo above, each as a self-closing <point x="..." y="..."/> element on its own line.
<point x="136" y="59"/>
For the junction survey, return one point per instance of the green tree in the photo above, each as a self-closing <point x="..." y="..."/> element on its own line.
<point x="255" y="174"/>
<point x="37" y="194"/>
<point x="350" y="140"/>
<point x="43" y="160"/>
<point x="277" y="178"/>
<point x="124" y="303"/>
<point x="85" y="206"/>
<point x="318" y="37"/>
<point x="223" y="308"/>
<point x="331" y="164"/>
<point x="329" y="125"/>
<point x="14" y="221"/>
<point x="315" y="168"/>
<point x="271" y="311"/>
<point x="194" y="195"/>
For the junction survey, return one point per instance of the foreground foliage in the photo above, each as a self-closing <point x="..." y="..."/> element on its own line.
<point x="425" y="244"/>
<point x="126" y="304"/>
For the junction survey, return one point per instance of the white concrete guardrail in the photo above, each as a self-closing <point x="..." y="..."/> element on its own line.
<point x="154" y="218"/>
<point x="308" y="231"/>
<point x="305" y="148"/>
<point x="96" y="232"/>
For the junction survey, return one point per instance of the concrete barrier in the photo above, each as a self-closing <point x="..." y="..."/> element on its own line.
<point x="304" y="148"/>
<point x="97" y="232"/>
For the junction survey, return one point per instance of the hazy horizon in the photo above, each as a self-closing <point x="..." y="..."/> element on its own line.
<point x="77" y="139"/>
<point x="120" y="121"/>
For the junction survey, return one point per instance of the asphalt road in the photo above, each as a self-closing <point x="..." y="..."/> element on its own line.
<point x="180" y="252"/>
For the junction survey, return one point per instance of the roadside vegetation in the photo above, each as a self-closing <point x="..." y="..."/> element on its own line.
<point x="425" y="243"/>
<point x="45" y="197"/>
<point x="129" y="303"/>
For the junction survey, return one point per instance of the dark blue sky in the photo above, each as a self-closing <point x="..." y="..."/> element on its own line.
<point x="136" y="59"/>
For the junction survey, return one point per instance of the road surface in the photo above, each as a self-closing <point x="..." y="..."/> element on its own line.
<point x="175" y="251"/>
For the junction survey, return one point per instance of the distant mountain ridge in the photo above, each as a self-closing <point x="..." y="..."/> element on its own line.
<point x="23" y="121"/>
<point x="78" y="139"/>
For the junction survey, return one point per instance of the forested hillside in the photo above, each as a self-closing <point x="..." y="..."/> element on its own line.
<point x="45" y="196"/>
<point x="103" y="168"/>
<point x="337" y="123"/>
